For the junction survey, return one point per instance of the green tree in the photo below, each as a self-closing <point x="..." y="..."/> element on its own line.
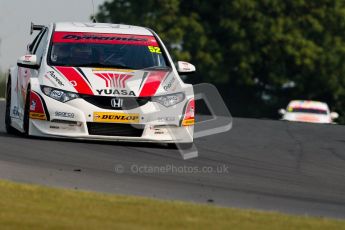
<point x="162" y="16"/>
<point x="251" y="49"/>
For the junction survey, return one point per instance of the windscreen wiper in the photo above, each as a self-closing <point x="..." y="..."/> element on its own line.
<point x="157" y="68"/>
<point x="106" y="66"/>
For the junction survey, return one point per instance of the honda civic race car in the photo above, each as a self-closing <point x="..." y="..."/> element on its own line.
<point x="308" y="111"/>
<point x="102" y="82"/>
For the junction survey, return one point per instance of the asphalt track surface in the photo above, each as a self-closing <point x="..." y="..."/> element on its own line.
<point x="272" y="165"/>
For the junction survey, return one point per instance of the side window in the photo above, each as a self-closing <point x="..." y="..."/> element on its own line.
<point x="42" y="43"/>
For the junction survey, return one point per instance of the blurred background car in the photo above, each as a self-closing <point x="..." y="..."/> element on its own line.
<point x="308" y="111"/>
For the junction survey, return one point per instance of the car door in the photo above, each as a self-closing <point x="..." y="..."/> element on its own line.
<point x="24" y="74"/>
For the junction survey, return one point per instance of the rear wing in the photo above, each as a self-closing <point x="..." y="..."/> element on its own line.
<point x="34" y="27"/>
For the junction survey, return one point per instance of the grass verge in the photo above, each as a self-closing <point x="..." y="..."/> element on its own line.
<point x="36" y="207"/>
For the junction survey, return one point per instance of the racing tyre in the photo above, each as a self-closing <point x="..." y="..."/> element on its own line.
<point x="27" y="113"/>
<point x="9" y="128"/>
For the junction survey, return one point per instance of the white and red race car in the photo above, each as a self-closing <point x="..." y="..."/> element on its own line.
<point x="308" y="111"/>
<point x="101" y="82"/>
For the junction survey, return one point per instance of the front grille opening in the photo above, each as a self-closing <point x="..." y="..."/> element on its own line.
<point x="104" y="102"/>
<point x="115" y="129"/>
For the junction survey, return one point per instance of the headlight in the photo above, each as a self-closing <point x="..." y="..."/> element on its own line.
<point x="58" y="94"/>
<point x="169" y="100"/>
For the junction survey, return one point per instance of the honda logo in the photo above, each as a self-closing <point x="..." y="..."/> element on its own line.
<point x="116" y="102"/>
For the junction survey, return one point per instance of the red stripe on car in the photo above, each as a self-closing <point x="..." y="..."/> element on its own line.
<point x="104" y="38"/>
<point x="152" y="83"/>
<point x="36" y="104"/>
<point x="189" y="113"/>
<point x="36" y="107"/>
<point x="104" y="78"/>
<point x="73" y="76"/>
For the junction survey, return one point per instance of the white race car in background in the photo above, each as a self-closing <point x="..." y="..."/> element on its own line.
<point x="308" y="111"/>
<point x="100" y="81"/>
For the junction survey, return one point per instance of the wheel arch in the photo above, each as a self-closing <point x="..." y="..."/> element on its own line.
<point x="8" y="78"/>
<point x="11" y="75"/>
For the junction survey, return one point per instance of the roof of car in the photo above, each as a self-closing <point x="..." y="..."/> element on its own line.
<point x="101" y="28"/>
<point x="308" y="104"/>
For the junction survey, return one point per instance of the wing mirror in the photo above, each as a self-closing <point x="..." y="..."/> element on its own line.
<point x="282" y="111"/>
<point x="334" y="115"/>
<point x="185" y="68"/>
<point x="28" y="61"/>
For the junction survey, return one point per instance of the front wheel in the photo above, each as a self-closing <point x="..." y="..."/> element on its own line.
<point x="27" y="113"/>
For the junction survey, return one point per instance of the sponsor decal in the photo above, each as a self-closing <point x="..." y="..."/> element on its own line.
<point x="38" y="116"/>
<point x="154" y="49"/>
<point x="36" y="107"/>
<point x="115" y="117"/>
<point x="62" y="127"/>
<point x="51" y="80"/>
<point x="169" y="83"/>
<point x="64" y="114"/>
<point x="152" y="83"/>
<point x="188" y="122"/>
<point x="166" y="119"/>
<point x="185" y="66"/>
<point x="114" y="80"/>
<point x="52" y="74"/>
<point x="122" y="92"/>
<point x="56" y="93"/>
<point x="158" y="132"/>
<point x="33" y="105"/>
<point x="77" y="80"/>
<point x="74" y="83"/>
<point x="15" y="111"/>
<point x="104" y="38"/>
<point x="27" y="58"/>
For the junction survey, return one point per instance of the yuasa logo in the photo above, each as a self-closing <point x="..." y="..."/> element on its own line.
<point x="114" y="80"/>
<point x="122" y="92"/>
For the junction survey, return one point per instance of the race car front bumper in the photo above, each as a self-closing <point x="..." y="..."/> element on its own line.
<point x="78" y="119"/>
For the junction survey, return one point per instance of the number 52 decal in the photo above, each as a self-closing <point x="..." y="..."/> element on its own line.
<point x="154" y="49"/>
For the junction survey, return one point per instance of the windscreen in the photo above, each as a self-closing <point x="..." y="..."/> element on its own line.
<point x="307" y="110"/>
<point x="105" y="50"/>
